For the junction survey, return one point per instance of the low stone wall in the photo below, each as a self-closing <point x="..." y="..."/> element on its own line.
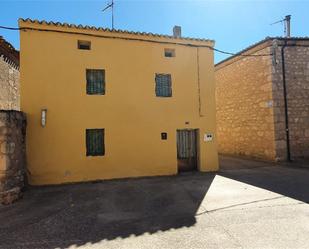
<point x="12" y="155"/>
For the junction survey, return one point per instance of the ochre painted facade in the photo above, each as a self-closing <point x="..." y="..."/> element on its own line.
<point x="53" y="77"/>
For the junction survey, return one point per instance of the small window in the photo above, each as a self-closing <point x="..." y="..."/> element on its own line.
<point x="169" y="52"/>
<point x="95" y="81"/>
<point x="95" y="142"/>
<point x="163" y="85"/>
<point x="86" y="45"/>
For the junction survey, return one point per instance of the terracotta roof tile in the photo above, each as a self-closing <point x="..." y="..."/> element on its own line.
<point x="119" y="31"/>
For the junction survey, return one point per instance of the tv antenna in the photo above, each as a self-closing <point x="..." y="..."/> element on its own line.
<point x="287" y="25"/>
<point x="110" y="6"/>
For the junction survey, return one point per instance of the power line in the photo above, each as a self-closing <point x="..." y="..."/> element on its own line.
<point x="240" y="54"/>
<point x="9" y="28"/>
<point x="137" y="39"/>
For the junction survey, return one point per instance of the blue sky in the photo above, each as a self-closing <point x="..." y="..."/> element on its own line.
<point x="233" y="24"/>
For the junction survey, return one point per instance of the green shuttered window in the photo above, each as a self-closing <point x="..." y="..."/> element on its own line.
<point x="95" y="142"/>
<point x="95" y="81"/>
<point x="163" y="85"/>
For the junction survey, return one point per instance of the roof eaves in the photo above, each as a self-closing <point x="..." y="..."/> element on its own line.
<point x="244" y="50"/>
<point x="8" y="52"/>
<point x="119" y="31"/>
<point x="261" y="42"/>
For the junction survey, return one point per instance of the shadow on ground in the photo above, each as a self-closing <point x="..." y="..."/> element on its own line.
<point x="292" y="181"/>
<point x="63" y="216"/>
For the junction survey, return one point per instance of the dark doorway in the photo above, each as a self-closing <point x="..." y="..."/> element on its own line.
<point x="186" y="150"/>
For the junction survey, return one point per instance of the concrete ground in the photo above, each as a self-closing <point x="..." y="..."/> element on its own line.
<point x="247" y="204"/>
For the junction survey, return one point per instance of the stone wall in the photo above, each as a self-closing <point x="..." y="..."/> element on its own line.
<point x="243" y="85"/>
<point x="297" y="82"/>
<point x="245" y="121"/>
<point x="12" y="155"/>
<point x="9" y="85"/>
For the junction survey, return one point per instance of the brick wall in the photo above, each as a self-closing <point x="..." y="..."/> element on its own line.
<point x="12" y="155"/>
<point x="245" y="121"/>
<point x="9" y="85"/>
<point x="297" y="82"/>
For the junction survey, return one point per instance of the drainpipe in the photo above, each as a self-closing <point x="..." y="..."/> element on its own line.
<point x="287" y="132"/>
<point x="198" y="82"/>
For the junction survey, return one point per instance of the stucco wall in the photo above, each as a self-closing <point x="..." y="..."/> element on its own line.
<point x="9" y="85"/>
<point x="53" y="77"/>
<point x="245" y="123"/>
<point x="297" y="82"/>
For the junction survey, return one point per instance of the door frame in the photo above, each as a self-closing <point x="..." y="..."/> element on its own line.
<point x="197" y="145"/>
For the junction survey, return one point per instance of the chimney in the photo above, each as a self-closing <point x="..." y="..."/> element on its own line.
<point x="177" y="32"/>
<point x="288" y="25"/>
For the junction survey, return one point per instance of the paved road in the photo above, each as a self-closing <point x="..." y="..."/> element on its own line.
<point x="246" y="205"/>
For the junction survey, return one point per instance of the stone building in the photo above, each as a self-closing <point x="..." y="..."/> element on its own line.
<point x="9" y="76"/>
<point x="263" y="100"/>
<point x="12" y="127"/>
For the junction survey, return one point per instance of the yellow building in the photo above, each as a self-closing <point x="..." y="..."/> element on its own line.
<point x="105" y="104"/>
